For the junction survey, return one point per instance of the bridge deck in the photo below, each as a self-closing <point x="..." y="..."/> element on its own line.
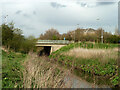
<point x="52" y="42"/>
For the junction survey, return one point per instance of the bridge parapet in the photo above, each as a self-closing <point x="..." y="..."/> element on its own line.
<point x="53" y="42"/>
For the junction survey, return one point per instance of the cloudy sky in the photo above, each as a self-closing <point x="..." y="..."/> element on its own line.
<point x="36" y="16"/>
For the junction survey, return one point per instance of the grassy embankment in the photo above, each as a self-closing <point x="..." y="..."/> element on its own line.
<point x="39" y="72"/>
<point x="12" y="76"/>
<point x="30" y="71"/>
<point x="94" y="62"/>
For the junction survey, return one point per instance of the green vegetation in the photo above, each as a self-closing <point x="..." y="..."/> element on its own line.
<point x="13" y="39"/>
<point x="108" y="71"/>
<point x="12" y="76"/>
<point x="17" y="46"/>
<point x="84" y="45"/>
<point x="81" y="35"/>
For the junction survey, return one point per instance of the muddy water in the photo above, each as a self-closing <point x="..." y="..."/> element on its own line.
<point x="73" y="81"/>
<point x="76" y="82"/>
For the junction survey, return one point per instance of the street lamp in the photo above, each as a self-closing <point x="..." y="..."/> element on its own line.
<point x="101" y="33"/>
<point x="78" y="25"/>
<point x="74" y="31"/>
<point x="6" y="19"/>
<point x="74" y="36"/>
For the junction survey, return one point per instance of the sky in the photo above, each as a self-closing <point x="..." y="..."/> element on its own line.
<point x="34" y="17"/>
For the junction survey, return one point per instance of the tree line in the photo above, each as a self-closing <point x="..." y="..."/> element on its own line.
<point x="83" y="35"/>
<point x="13" y="38"/>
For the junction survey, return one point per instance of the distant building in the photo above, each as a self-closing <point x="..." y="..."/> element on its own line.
<point x="89" y="31"/>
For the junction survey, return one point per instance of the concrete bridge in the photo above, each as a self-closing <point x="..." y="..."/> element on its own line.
<point x="48" y="46"/>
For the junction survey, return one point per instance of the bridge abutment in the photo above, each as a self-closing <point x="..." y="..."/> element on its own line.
<point x="55" y="48"/>
<point x="51" y="45"/>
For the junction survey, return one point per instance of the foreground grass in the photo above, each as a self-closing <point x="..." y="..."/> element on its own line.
<point x="12" y="68"/>
<point x="30" y="71"/>
<point x="98" y="60"/>
<point x="39" y="72"/>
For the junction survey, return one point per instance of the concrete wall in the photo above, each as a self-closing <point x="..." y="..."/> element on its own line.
<point x="55" y="47"/>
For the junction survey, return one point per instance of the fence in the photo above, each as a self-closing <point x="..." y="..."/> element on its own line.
<point x="54" y="41"/>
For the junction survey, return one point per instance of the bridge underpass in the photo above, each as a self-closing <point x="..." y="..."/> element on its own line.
<point x="46" y="47"/>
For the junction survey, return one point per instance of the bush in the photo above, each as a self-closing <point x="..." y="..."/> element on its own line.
<point x="89" y="65"/>
<point x="12" y="76"/>
<point x="12" y="38"/>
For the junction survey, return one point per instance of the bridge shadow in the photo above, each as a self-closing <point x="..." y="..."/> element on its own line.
<point x="45" y="51"/>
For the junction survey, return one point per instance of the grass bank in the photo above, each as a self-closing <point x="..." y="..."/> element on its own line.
<point x="94" y="62"/>
<point x="30" y="71"/>
<point x="12" y="76"/>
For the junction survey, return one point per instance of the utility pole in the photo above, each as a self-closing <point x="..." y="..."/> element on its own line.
<point x="74" y="31"/>
<point x="74" y="36"/>
<point x="101" y="36"/>
<point x="101" y="33"/>
<point x="78" y="31"/>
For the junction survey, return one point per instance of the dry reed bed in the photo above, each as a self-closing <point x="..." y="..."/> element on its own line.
<point x="103" y="55"/>
<point x="40" y="73"/>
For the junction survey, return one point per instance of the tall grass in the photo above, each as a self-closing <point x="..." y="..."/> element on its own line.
<point x="95" y="59"/>
<point x="31" y="72"/>
<point x="40" y="73"/>
<point x="103" y="55"/>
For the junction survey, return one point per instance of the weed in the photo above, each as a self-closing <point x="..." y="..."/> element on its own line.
<point x="92" y="65"/>
<point x="12" y="70"/>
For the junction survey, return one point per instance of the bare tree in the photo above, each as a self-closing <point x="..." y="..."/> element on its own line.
<point x="51" y="34"/>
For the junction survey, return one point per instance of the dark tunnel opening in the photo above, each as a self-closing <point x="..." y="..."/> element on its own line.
<point x="45" y="51"/>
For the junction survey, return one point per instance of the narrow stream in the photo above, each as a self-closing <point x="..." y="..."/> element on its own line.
<point x="76" y="82"/>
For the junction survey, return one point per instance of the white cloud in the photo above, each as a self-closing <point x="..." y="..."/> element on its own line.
<point x="34" y="17"/>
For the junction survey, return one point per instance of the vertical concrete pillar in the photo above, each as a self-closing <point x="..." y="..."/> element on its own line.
<point x="55" y="47"/>
<point x="51" y="49"/>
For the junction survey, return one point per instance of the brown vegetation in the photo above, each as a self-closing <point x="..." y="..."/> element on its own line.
<point x="80" y="34"/>
<point x="40" y="73"/>
<point x="103" y="55"/>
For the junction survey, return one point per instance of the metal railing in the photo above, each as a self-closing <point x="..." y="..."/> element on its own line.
<point x="53" y="41"/>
